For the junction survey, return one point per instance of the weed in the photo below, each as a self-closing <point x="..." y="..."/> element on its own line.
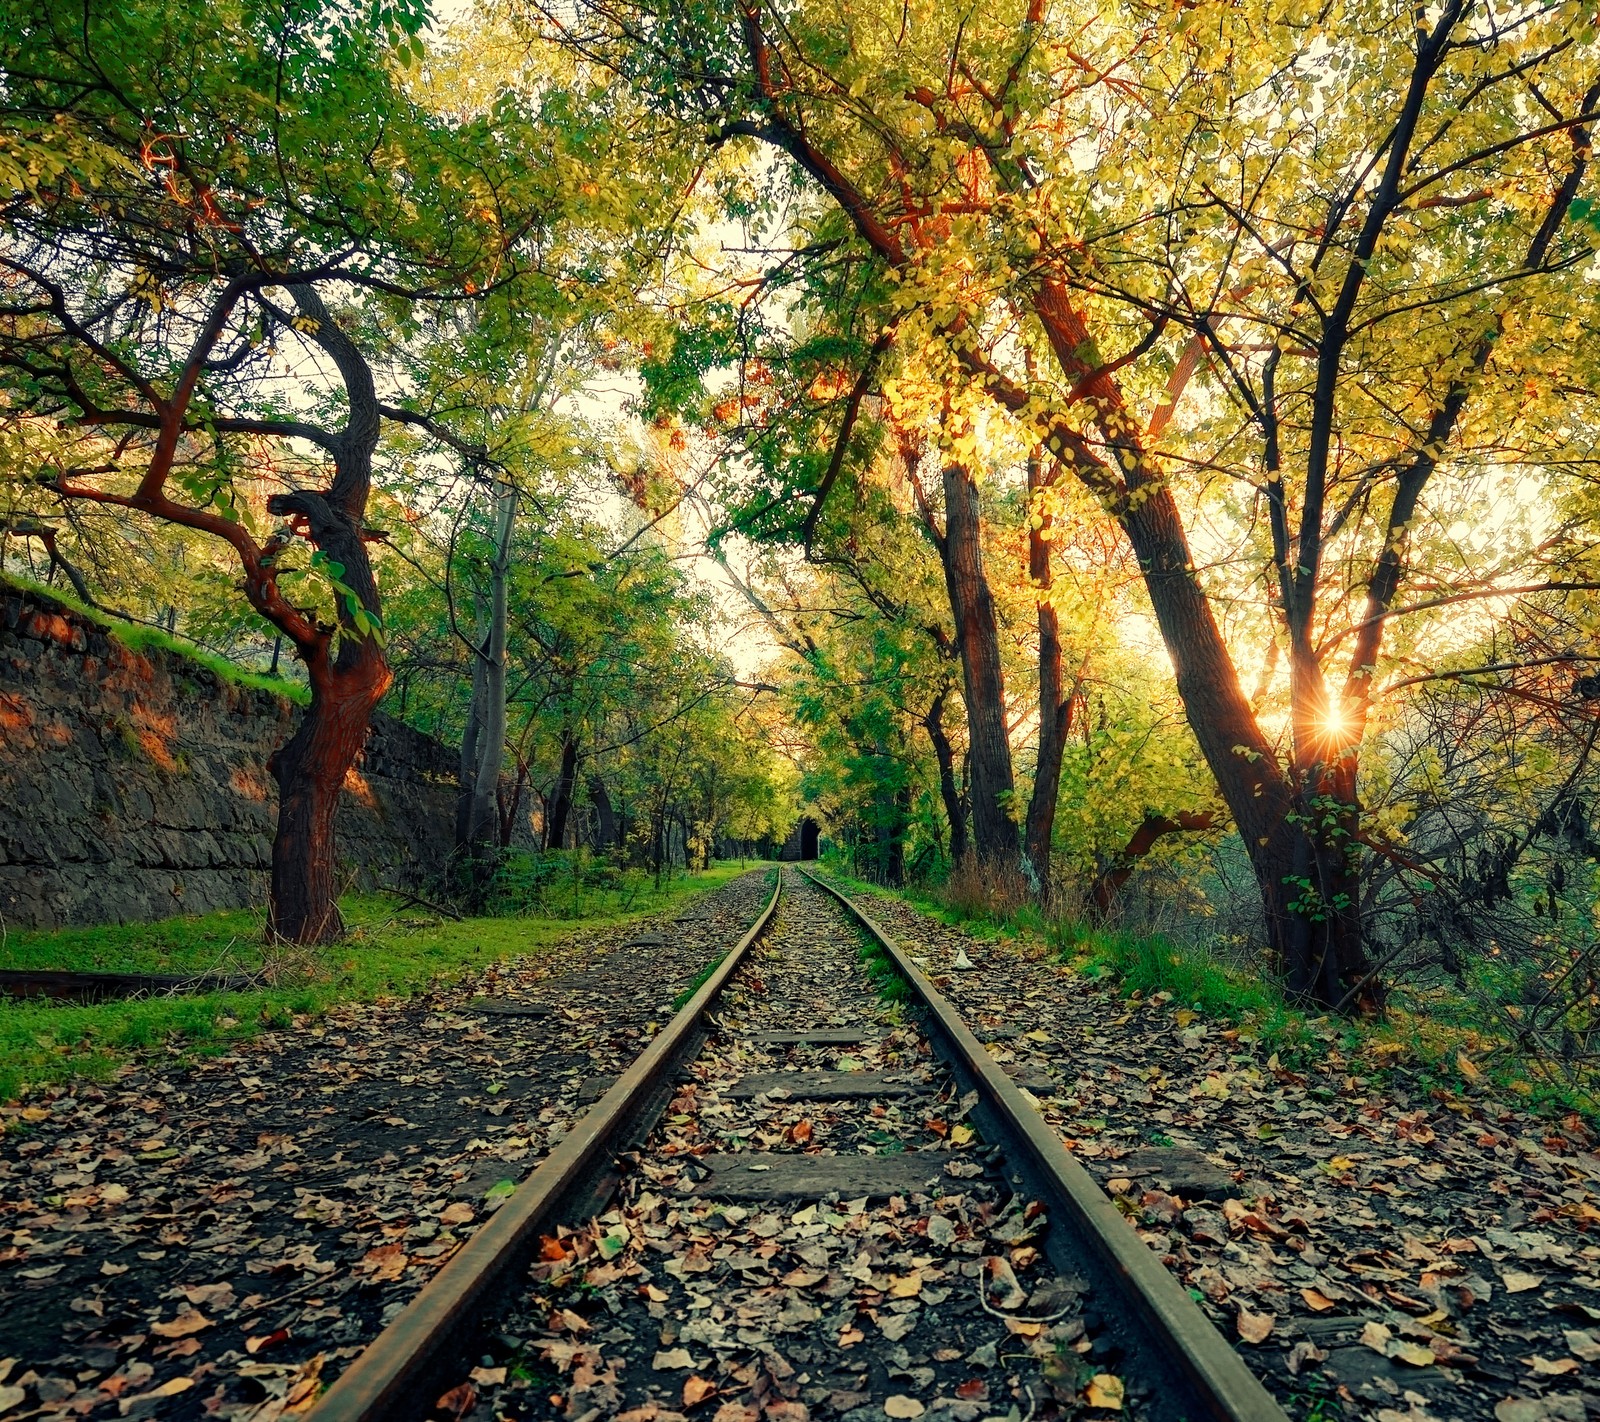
<point x="892" y="988"/>
<point x="698" y="981"/>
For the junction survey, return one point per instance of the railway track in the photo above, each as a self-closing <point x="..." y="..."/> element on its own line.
<point x="814" y="1194"/>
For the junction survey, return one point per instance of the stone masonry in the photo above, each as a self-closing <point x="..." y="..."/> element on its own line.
<point x="134" y="784"/>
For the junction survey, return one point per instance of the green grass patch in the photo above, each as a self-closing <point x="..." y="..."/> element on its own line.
<point x="390" y="952"/>
<point x="698" y="981"/>
<point x="138" y="636"/>
<point x="886" y="979"/>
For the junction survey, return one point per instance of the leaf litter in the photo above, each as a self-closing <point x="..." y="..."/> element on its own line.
<point x="218" y="1239"/>
<point x="937" y="1302"/>
<point x="1421" y="1255"/>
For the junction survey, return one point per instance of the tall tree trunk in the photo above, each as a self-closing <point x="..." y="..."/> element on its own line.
<point x="509" y="804"/>
<point x="949" y="791"/>
<point x="310" y="769"/>
<point x="1054" y="706"/>
<point x="483" y="812"/>
<point x="605" y="835"/>
<point x="466" y="774"/>
<point x="1305" y="877"/>
<point x="555" y="825"/>
<point x="978" y="637"/>
<point x="348" y="676"/>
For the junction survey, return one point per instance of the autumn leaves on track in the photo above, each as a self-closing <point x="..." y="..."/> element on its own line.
<point x="847" y="1247"/>
<point x="216" y="1241"/>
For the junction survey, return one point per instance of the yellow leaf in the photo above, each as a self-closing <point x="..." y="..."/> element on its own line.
<point x="1104" y="1390"/>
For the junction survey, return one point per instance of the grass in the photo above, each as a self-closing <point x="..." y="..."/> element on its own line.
<point x="698" y="981"/>
<point x="1444" y="1041"/>
<point x="885" y="976"/>
<point x="139" y="637"/>
<point x="389" y="953"/>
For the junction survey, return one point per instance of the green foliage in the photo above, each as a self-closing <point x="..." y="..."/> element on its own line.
<point x="388" y="954"/>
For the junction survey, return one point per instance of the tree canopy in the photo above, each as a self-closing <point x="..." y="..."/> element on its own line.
<point x="1144" y="452"/>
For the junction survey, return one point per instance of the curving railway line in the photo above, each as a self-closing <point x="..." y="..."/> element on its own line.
<point x="814" y="1194"/>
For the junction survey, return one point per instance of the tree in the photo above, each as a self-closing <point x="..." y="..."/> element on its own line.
<point x="194" y="194"/>
<point x="1331" y="255"/>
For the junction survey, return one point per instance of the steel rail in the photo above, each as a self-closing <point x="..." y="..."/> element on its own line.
<point x="390" y="1378"/>
<point x="1222" y="1382"/>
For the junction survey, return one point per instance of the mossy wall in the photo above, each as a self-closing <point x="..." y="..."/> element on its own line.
<point x="134" y="784"/>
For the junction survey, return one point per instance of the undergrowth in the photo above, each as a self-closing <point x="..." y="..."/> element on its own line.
<point x="886" y="979"/>
<point x="388" y="953"/>
<point x="1442" y="1040"/>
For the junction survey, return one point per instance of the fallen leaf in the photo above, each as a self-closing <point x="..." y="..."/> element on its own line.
<point x="1376" y="1337"/>
<point x="672" y="1358"/>
<point x="1316" y="1300"/>
<point x="1001" y="1286"/>
<point x="1104" y="1390"/>
<point x="1304" y="1355"/>
<point x="191" y="1320"/>
<point x="459" y="1400"/>
<point x="12" y="1397"/>
<point x="488" y="1377"/>
<point x="384" y="1264"/>
<point x="696" y="1390"/>
<point x="899" y="1405"/>
<point x="458" y="1213"/>
<point x="1566" y="1407"/>
<point x="171" y="1388"/>
<point x="266" y="1340"/>
<point x="1584" y="1344"/>
<point x="1549" y="1368"/>
<point x="800" y="1132"/>
<point x="908" y="1286"/>
<point x="1253" y="1327"/>
<point x="1517" y="1282"/>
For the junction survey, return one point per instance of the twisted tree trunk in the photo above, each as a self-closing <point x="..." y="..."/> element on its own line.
<point x="949" y="791"/>
<point x="348" y="666"/>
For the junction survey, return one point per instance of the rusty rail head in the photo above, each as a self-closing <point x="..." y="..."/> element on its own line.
<point x="384" y="1381"/>
<point x="1223" y="1383"/>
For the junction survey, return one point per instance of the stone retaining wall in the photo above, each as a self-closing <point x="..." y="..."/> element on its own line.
<point x="134" y="784"/>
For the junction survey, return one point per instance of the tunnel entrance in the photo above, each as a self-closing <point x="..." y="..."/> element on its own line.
<point x="810" y="830"/>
